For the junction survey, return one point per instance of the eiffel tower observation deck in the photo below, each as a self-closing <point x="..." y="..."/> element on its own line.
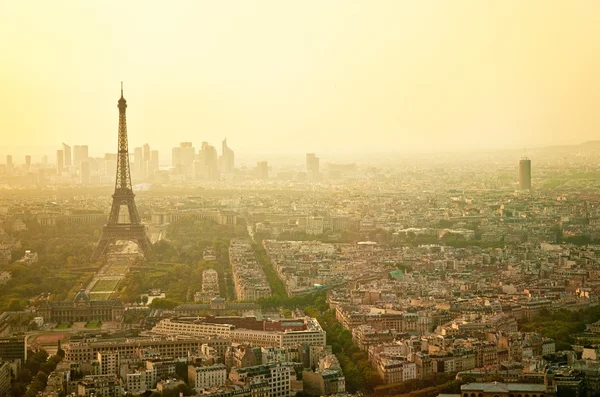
<point x="123" y="199"/>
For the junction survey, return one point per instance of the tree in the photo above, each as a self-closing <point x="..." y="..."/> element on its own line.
<point x="18" y="389"/>
<point x="60" y="352"/>
<point x="185" y="389"/>
<point x="24" y="376"/>
<point x="15" y="305"/>
<point x="181" y="369"/>
<point x="160" y="303"/>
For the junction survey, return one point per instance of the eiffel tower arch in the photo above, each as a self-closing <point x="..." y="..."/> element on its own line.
<point x="117" y="229"/>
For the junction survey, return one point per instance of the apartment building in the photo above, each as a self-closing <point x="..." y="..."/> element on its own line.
<point x="311" y="334"/>
<point x="100" y="385"/>
<point x="201" y="378"/>
<point x="192" y="328"/>
<point x="87" y="350"/>
<point x="279" y="377"/>
<point x="5" y="371"/>
<point x="249" y="280"/>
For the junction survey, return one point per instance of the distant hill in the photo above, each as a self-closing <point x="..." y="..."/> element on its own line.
<point x="585" y="147"/>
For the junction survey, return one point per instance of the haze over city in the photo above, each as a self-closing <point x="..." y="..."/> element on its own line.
<point x="299" y="199"/>
<point x="278" y="77"/>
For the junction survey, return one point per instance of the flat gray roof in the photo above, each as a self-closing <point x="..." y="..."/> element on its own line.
<point x="491" y="387"/>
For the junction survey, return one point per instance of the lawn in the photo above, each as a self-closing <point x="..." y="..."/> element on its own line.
<point x="117" y="268"/>
<point x="63" y="326"/>
<point x="105" y="285"/>
<point x="93" y="324"/>
<point x="100" y="296"/>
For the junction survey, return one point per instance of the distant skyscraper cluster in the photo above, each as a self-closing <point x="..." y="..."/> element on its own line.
<point x="204" y="165"/>
<point x="74" y="165"/>
<point x="73" y="162"/>
<point x="145" y="163"/>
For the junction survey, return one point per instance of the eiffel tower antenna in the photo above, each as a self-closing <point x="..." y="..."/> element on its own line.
<point x="123" y="197"/>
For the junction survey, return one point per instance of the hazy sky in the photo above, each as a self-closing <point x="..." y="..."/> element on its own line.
<point x="295" y="76"/>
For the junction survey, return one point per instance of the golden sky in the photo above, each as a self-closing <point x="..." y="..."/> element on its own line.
<point x="284" y="76"/>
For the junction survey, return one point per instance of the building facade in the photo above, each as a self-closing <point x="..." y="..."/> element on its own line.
<point x="201" y="378"/>
<point x="81" y="309"/>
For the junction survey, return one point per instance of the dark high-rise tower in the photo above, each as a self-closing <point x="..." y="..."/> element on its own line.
<point x="312" y="166"/>
<point x="227" y="158"/>
<point x="133" y="230"/>
<point x="525" y="174"/>
<point x="67" y="154"/>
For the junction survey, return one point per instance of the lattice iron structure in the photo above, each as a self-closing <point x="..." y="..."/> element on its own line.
<point x="133" y="230"/>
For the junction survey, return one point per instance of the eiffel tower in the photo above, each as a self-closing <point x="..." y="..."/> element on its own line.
<point x="123" y="196"/>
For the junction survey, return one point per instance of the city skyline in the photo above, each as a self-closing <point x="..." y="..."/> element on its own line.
<point x="39" y="154"/>
<point x="394" y="77"/>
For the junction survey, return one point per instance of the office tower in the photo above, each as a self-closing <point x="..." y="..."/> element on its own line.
<point x="85" y="172"/>
<point x="312" y="166"/>
<point x="154" y="161"/>
<point x="96" y="164"/>
<point x="146" y="161"/>
<point x="525" y="174"/>
<point x="187" y="155"/>
<point x="262" y="170"/>
<point x="146" y="152"/>
<point x="27" y="162"/>
<point x="227" y="158"/>
<point x="123" y="197"/>
<point x="67" y="155"/>
<point x="60" y="162"/>
<point x="41" y="177"/>
<point x="13" y="348"/>
<point x="208" y="163"/>
<point x="176" y="157"/>
<point x="9" y="164"/>
<point x="44" y="160"/>
<point x="80" y="154"/>
<point x="138" y="161"/>
<point x="110" y="164"/>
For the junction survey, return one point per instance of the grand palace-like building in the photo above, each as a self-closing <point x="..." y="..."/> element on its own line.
<point x="81" y="309"/>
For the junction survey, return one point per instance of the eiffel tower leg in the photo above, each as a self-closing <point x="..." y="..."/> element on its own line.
<point x="134" y="217"/>
<point x="145" y="246"/>
<point x="100" y="248"/>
